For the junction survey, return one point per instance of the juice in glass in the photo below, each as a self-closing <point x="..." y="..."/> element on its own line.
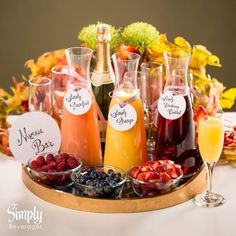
<point x="126" y="148"/>
<point x="79" y="123"/>
<point x="211" y="138"/>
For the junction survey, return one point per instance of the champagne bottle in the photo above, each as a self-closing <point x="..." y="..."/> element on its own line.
<point x="103" y="77"/>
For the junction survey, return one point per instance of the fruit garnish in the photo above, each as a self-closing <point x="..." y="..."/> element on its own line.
<point x="156" y="171"/>
<point x="98" y="182"/>
<point x="200" y="114"/>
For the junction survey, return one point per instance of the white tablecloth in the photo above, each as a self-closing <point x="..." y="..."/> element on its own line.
<point x="184" y="219"/>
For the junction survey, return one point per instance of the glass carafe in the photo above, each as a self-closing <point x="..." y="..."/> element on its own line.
<point x="175" y="126"/>
<point x="79" y="124"/>
<point x="126" y="140"/>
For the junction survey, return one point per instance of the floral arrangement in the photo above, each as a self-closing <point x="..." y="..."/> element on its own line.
<point x="139" y="37"/>
<point x="145" y="39"/>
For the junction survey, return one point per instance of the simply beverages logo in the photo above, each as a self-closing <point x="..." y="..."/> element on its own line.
<point x="24" y="219"/>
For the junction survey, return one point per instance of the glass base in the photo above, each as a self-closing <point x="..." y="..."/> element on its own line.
<point x="209" y="199"/>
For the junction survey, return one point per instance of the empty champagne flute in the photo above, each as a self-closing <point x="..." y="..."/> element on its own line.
<point x="59" y="77"/>
<point x="150" y="85"/>
<point x="210" y="141"/>
<point x="40" y="95"/>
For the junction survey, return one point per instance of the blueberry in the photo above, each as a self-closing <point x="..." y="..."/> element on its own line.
<point x="112" y="182"/>
<point x="89" y="182"/>
<point x="118" y="174"/>
<point x="93" y="175"/>
<point x="116" y="179"/>
<point x="107" y="189"/>
<point x="110" y="172"/>
<point x="89" y="170"/>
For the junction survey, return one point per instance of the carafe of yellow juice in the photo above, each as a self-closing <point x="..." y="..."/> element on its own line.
<point x="79" y="123"/>
<point x="125" y="139"/>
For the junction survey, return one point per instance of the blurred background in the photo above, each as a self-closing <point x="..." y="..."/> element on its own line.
<point x="29" y="28"/>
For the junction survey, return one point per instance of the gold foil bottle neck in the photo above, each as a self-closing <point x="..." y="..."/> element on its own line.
<point x="103" y="33"/>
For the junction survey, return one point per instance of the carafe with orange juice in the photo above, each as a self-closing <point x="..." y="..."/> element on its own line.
<point x="79" y="124"/>
<point x="125" y="139"/>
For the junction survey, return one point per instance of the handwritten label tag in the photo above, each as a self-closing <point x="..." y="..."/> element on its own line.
<point x="78" y="102"/>
<point x="34" y="133"/>
<point x="171" y="106"/>
<point x="122" y="118"/>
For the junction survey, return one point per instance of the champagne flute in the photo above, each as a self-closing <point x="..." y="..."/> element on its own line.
<point x="210" y="141"/>
<point x="150" y="85"/>
<point x="59" y="77"/>
<point x="40" y="95"/>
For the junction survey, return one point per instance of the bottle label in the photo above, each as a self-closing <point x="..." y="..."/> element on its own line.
<point x="98" y="79"/>
<point x="78" y="102"/>
<point x="171" y="106"/>
<point x="122" y="118"/>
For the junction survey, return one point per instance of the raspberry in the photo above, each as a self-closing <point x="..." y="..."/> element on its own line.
<point x="34" y="165"/>
<point x="59" y="159"/>
<point x="65" y="156"/>
<point x="72" y="159"/>
<point x="52" y="165"/>
<point x="62" y="166"/>
<point x="52" y="177"/>
<point x="50" y="157"/>
<point x="72" y="164"/>
<point x="41" y="161"/>
<point x="44" y="168"/>
<point x="63" y="179"/>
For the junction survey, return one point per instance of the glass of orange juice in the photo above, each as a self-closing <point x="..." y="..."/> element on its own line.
<point x="210" y="141"/>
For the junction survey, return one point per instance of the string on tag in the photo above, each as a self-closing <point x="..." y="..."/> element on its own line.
<point x="123" y="103"/>
<point x="85" y="83"/>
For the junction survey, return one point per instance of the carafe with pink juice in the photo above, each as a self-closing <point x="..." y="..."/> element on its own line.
<point x="79" y="123"/>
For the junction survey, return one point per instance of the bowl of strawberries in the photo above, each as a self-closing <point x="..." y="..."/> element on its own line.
<point x="54" y="169"/>
<point x="155" y="177"/>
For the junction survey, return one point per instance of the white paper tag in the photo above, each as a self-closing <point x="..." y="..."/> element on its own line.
<point x="78" y="102"/>
<point x="171" y="106"/>
<point x="34" y="133"/>
<point x="122" y="118"/>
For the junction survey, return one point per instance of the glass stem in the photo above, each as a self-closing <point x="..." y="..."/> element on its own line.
<point x="210" y="168"/>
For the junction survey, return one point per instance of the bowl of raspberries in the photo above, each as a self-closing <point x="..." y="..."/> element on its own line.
<point x="54" y="169"/>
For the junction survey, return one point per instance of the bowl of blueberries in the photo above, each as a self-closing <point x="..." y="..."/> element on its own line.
<point x="105" y="181"/>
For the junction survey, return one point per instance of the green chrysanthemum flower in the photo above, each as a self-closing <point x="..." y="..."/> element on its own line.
<point x="141" y="35"/>
<point x="88" y="36"/>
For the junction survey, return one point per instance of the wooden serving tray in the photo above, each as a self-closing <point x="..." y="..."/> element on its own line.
<point x="194" y="186"/>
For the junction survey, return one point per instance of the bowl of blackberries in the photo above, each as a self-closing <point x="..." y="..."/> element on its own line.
<point x="54" y="169"/>
<point x="104" y="182"/>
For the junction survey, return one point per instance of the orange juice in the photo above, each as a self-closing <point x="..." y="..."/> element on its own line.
<point x="126" y="148"/>
<point x="211" y="138"/>
<point x="80" y="136"/>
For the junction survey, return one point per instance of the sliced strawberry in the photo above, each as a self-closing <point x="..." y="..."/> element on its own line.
<point x="200" y="114"/>
<point x="161" y="162"/>
<point x="173" y="174"/>
<point x="160" y="168"/>
<point x="164" y="177"/>
<point x="168" y="162"/>
<point x="157" y="180"/>
<point x="141" y="176"/>
<point x="146" y="168"/>
<point x="170" y="168"/>
<point x="135" y="171"/>
<point x="149" y="175"/>
<point x="178" y="169"/>
<point x="155" y="164"/>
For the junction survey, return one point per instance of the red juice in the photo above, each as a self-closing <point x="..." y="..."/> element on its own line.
<point x="176" y="138"/>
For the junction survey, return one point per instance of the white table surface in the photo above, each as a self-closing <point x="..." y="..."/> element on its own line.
<point x="184" y="219"/>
